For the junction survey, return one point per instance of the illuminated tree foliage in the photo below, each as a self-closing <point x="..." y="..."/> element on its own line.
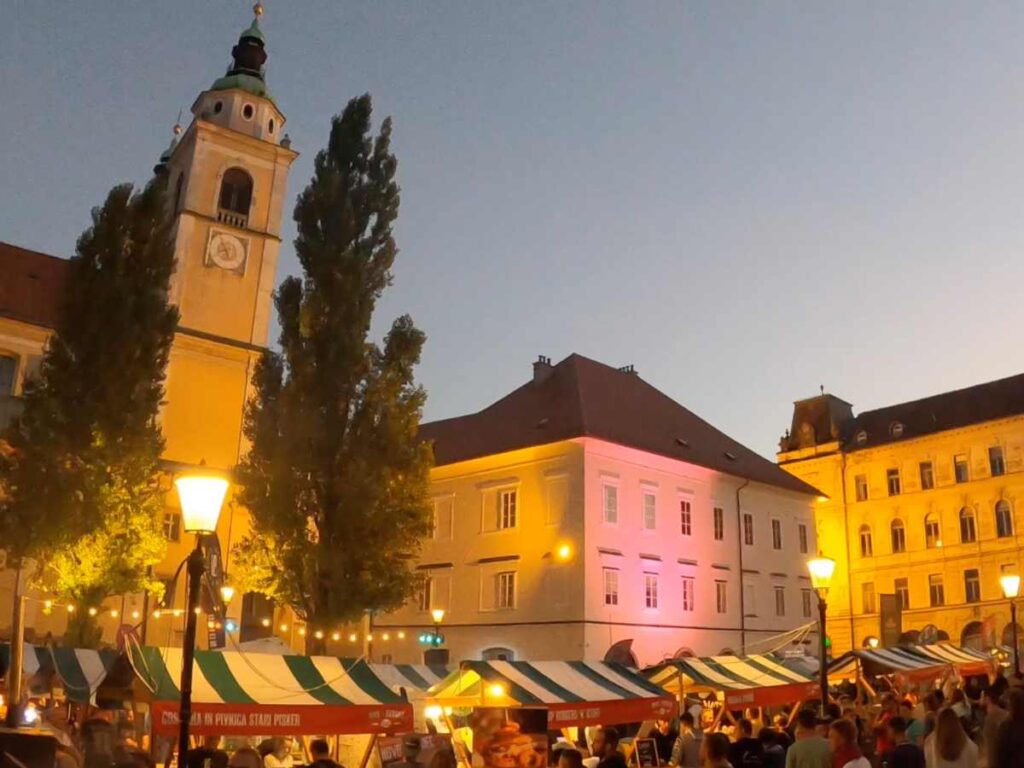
<point x="79" y="469"/>
<point x="336" y="481"/>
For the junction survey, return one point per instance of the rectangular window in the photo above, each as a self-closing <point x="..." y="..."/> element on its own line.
<point x="650" y="590"/>
<point x="860" y="484"/>
<point x="780" y="601"/>
<point x="805" y="602"/>
<point x="172" y="526"/>
<point x="892" y="478"/>
<point x="505" y="590"/>
<point x="927" y="475"/>
<point x="719" y="516"/>
<point x="936" y="592"/>
<point x="902" y="589"/>
<point x="721" y="597"/>
<point x="776" y="534"/>
<point x="749" y="600"/>
<point x="867" y="548"/>
<point x="688" y="594"/>
<point x="507" y="503"/>
<point x="932" y="532"/>
<point x="801" y="530"/>
<point x="443" y="518"/>
<point x="1004" y="519"/>
<point x="611" y="504"/>
<point x="685" y="517"/>
<point x="867" y="592"/>
<point x="611" y="586"/>
<point x="961" y="468"/>
<point x="650" y="511"/>
<point x="8" y="372"/>
<point x="968" y="526"/>
<point x="972" y="586"/>
<point x="748" y="529"/>
<point x="995" y="461"/>
<point x="424" y="595"/>
<point x="899" y="537"/>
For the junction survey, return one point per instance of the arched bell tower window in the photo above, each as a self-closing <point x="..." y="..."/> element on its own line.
<point x="235" y="197"/>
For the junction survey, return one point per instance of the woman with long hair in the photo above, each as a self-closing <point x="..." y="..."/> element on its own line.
<point x="948" y="746"/>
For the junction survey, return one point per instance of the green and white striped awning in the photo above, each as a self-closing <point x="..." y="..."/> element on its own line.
<point x="573" y="692"/>
<point x="886" y="661"/>
<point x="79" y="671"/>
<point x="755" y="680"/>
<point x="414" y="679"/>
<point x="966" y="660"/>
<point x="265" y="694"/>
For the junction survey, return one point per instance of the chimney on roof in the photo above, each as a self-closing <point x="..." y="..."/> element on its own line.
<point x="630" y="369"/>
<point x="542" y="368"/>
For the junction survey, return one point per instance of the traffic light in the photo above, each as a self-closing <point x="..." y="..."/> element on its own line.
<point x="431" y="638"/>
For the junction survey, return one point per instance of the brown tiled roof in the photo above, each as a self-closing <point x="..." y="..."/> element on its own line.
<point x="950" y="410"/>
<point x="580" y="397"/>
<point x="31" y="285"/>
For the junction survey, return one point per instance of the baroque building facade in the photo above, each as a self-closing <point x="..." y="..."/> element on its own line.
<point x="922" y="503"/>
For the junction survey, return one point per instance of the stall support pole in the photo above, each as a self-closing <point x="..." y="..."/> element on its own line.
<point x="368" y="752"/>
<point x="1016" y="641"/>
<point x="188" y="651"/>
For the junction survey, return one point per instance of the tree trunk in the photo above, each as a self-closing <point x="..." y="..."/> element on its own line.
<point x="83" y="631"/>
<point x="315" y="646"/>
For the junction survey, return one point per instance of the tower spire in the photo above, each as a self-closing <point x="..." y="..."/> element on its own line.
<point x="161" y="167"/>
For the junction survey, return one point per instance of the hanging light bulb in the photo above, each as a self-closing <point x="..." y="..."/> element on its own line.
<point x="302" y="631"/>
<point x="198" y="610"/>
<point x="336" y="636"/>
<point x="385" y="636"/>
<point x="265" y="622"/>
<point x="369" y="638"/>
<point x="156" y="614"/>
<point x="353" y="637"/>
<point x="93" y="611"/>
<point x="135" y="615"/>
<point x="284" y="627"/>
<point x="48" y="605"/>
<point x="318" y="635"/>
<point x="401" y="635"/>
<point x="114" y="613"/>
<point x="71" y="608"/>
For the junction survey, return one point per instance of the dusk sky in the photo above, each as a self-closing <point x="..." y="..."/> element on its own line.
<point x="744" y="200"/>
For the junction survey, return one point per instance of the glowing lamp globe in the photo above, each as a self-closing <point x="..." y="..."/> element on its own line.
<point x="821" y="570"/>
<point x="438" y="615"/>
<point x="201" y="495"/>
<point x="227" y="593"/>
<point x="496" y="691"/>
<point x="1010" y="582"/>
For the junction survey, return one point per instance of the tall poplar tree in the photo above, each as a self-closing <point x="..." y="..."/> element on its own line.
<point x="79" y="469"/>
<point x="336" y="481"/>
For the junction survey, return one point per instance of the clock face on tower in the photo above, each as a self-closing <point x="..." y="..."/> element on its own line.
<point x="227" y="251"/>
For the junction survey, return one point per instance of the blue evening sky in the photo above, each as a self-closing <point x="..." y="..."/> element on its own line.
<point x="745" y="200"/>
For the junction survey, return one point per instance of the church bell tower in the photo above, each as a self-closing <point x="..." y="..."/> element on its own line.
<point x="227" y="181"/>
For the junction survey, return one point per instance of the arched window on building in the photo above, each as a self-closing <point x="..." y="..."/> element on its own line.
<point x="898" y="534"/>
<point x="973" y="636"/>
<point x="498" y="654"/>
<point x="867" y="549"/>
<point x="235" y="197"/>
<point x="968" y="526"/>
<point x="1004" y="519"/>
<point x="932" y="531"/>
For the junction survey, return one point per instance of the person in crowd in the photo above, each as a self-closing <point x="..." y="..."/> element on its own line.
<point x="209" y="755"/>
<point x="664" y="736"/>
<point x="320" y="751"/>
<point x="1009" y="752"/>
<point x="999" y="686"/>
<point x="773" y="754"/>
<point x="809" y="750"/>
<point x="606" y="749"/>
<point x="779" y="724"/>
<point x="686" y="750"/>
<point x="842" y="736"/>
<point x="889" y="710"/>
<point x="445" y="758"/>
<point x="246" y="757"/>
<point x="567" y="758"/>
<point x="715" y="751"/>
<point x="745" y="751"/>
<point x="915" y="722"/>
<point x="948" y="746"/>
<point x="994" y="717"/>
<point x="904" y="753"/>
<point x="932" y="704"/>
<point x="281" y="754"/>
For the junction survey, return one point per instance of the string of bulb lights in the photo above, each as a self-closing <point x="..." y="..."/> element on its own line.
<point x="159" y="613"/>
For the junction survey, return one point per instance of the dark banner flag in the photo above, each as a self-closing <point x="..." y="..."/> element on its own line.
<point x="891" y="618"/>
<point x="214" y="571"/>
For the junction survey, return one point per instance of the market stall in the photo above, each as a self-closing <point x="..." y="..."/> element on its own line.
<point x="268" y="695"/>
<point x="575" y="693"/>
<point x="742" y="681"/>
<point x="78" y="671"/>
<point x="966" y="661"/>
<point x="898" y="663"/>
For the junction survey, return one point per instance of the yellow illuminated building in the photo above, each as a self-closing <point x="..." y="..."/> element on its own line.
<point x="227" y="179"/>
<point x="922" y="503"/>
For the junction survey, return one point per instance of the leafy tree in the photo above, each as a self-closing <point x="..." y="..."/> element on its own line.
<point x="80" y="467"/>
<point x="336" y="481"/>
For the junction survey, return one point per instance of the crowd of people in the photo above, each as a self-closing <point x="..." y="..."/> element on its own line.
<point x="967" y="726"/>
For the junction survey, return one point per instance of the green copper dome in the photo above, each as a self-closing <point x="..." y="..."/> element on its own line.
<point x="243" y="82"/>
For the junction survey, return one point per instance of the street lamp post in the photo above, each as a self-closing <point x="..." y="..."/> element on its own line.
<point x="821" y="570"/>
<point x="201" y="495"/>
<point x="1010" y="582"/>
<point x="438" y="616"/>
